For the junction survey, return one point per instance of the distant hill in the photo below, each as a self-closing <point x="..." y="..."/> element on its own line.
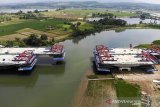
<point x="84" y="4"/>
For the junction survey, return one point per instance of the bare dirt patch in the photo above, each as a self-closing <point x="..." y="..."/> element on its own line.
<point x="28" y="31"/>
<point x="12" y="37"/>
<point x="24" y="33"/>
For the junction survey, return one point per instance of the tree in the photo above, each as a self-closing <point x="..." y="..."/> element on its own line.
<point x="156" y="42"/>
<point x="36" y="11"/>
<point x="44" y="37"/>
<point x="32" y="40"/>
<point x="140" y="22"/>
<point x="78" y="23"/>
<point x="53" y="40"/>
<point x="143" y="17"/>
<point x="20" y="12"/>
<point x="29" y="11"/>
<point x="73" y="27"/>
<point x="9" y="43"/>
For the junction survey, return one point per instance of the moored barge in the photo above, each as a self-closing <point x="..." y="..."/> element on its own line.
<point x="58" y="52"/>
<point x="24" y="59"/>
<point x="124" y="58"/>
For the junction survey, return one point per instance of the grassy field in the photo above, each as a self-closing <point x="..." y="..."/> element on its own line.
<point x="156" y="42"/>
<point x="33" y="24"/>
<point x="122" y="14"/>
<point x="80" y="13"/>
<point x="143" y="46"/>
<point x="72" y="13"/>
<point x="59" y="29"/>
<point x="98" y="92"/>
<point x="127" y="91"/>
<point x="14" y="19"/>
<point x="82" y="27"/>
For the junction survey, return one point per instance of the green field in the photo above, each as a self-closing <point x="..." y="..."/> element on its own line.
<point x="33" y="24"/>
<point x="156" y="42"/>
<point x="59" y="27"/>
<point x="122" y="14"/>
<point x="89" y="12"/>
<point x="87" y="26"/>
<point x="99" y="91"/>
<point x="80" y="13"/>
<point x="127" y="91"/>
<point x="143" y="46"/>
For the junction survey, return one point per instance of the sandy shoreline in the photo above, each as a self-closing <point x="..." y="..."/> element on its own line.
<point x="93" y="93"/>
<point x="81" y="89"/>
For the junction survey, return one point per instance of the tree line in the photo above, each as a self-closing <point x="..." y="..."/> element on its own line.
<point x="32" y="40"/>
<point x="108" y="15"/>
<point x="105" y="23"/>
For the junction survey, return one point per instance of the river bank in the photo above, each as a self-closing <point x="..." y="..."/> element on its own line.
<point x="97" y="92"/>
<point x="93" y="93"/>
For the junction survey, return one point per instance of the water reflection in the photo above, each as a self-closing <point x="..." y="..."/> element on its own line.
<point x="123" y="38"/>
<point x="137" y="20"/>
<point x="16" y="79"/>
<point x="120" y="30"/>
<point x="131" y="20"/>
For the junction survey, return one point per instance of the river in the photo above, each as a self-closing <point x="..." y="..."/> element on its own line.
<point x="56" y="85"/>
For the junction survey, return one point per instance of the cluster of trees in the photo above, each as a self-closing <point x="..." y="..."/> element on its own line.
<point x="98" y="26"/>
<point x="38" y="11"/>
<point x="29" y="15"/>
<point x="108" y="15"/>
<point x="32" y="40"/>
<point x="144" y="16"/>
<point x="156" y="42"/>
<point x="116" y="22"/>
<point x="75" y="26"/>
<point x="16" y="42"/>
<point x="78" y="32"/>
<point x="2" y="19"/>
<point x="107" y="23"/>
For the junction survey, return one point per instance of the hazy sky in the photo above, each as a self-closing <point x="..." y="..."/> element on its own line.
<point x="23" y="1"/>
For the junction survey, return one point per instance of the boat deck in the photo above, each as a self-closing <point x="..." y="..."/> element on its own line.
<point x="123" y="56"/>
<point x="23" y="56"/>
<point x="7" y="59"/>
<point x="12" y="51"/>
